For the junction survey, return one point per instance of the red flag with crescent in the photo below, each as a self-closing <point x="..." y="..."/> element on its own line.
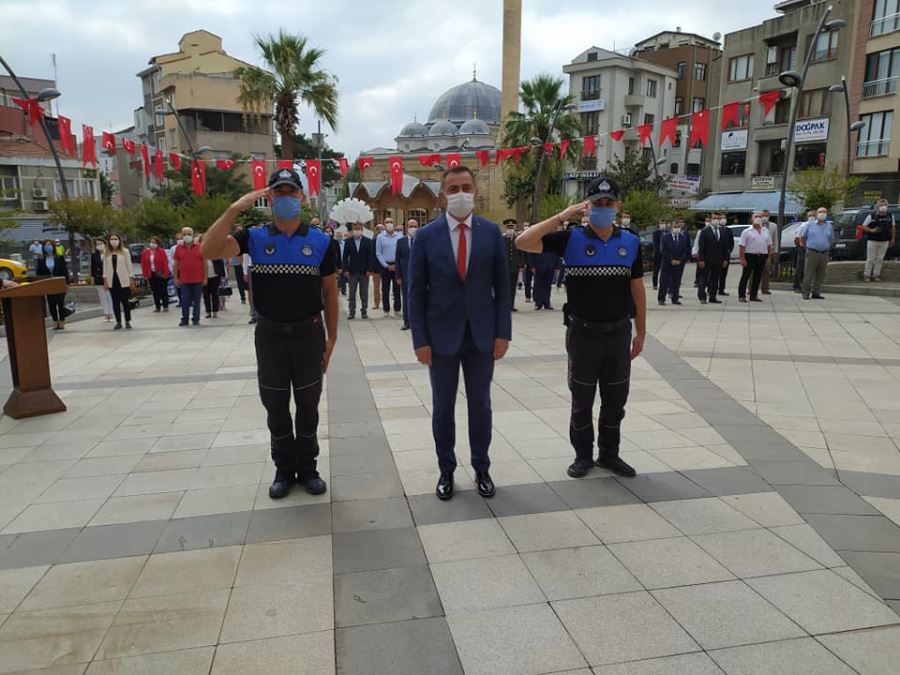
<point x="768" y="99"/>
<point x="454" y="159"/>
<point x="108" y="142"/>
<point x="158" y="164"/>
<point x="396" y="166"/>
<point x="644" y="132"/>
<point x="258" y="169"/>
<point x="517" y="152"/>
<point x="198" y="176"/>
<point x="699" y="128"/>
<point x="668" y="131"/>
<point x="32" y="107"/>
<point x="548" y="148"/>
<point x="224" y="164"/>
<point x="88" y="150"/>
<point x="145" y="159"/>
<point x="285" y="164"/>
<point x="617" y="134"/>
<point x="343" y="165"/>
<point x="484" y="156"/>
<point x="128" y="145"/>
<point x="365" y="162"/>
<point x="313" y="175"/>
<point x="66" y="143"/>
<point x="504" y="153"/>
<point x="428" y="160"/>
<point x="589" y="148"/>
<point x="175" y="160"/>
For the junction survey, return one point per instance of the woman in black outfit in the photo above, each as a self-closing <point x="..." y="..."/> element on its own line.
<point x="334" y="248"/>
<point x="118" y="277"/>
<point x="97" y="277"/>
<point x="52" y="265"/>
<point x="215" y="272"/>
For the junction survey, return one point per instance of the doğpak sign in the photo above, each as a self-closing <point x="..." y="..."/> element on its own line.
<point x="734" y="140"/>
<point x="811" y="130"/>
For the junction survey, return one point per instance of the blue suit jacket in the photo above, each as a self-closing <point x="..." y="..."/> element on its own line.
<point x="678" y="248"/>
<point x="440" y="304"/>
<point x="401" y="267"/>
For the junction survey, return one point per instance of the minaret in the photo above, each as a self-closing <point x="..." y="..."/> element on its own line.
<point x="512" y="53"/>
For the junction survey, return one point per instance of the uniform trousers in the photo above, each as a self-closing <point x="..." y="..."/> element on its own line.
<point x="289" y="360"/>
<point x="752" y="273"/>
<point x="543" y="282"/>
<point x="527" y="280"/>
<point x="513" y="278"/>
<point x="598" y="359"/>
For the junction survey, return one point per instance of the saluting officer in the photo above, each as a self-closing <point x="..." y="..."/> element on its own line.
<point x="515" y="259"/>
<point x="293" y="280"/>
<point x="603" y="278"/>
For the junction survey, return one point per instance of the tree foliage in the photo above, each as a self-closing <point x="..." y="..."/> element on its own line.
<point x="817" y="187"/>
<point x="88" y="217"/>
<point x="634" y="172"/>
<point x="107" y="188"/>
<point x="646" y="207"/>
<point x="178" y="188"/>
<point x="305" y="148"/>
<point x="294" y="76"/>
<point x="157" y="217"/>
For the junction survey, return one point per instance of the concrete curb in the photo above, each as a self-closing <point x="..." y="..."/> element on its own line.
<point x="873" y="289"/>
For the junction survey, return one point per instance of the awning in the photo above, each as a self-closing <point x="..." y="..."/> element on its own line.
<point x="747" y="202"/>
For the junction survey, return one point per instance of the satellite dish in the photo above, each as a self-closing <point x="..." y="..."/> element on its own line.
<point x="717" y="36"/>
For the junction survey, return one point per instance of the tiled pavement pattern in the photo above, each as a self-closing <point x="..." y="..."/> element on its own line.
<point x="136" y="536"/>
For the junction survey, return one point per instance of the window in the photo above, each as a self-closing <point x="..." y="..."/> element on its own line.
<point x="881" y="73"/>
<point x="673" y="168"/>
<point x="698" y="103"/>
<point x="700" y="72"/>
<point x="743" y="117"/>
<point x="779" y="114"/>
<point x="9" y="189"/>
<point x="648" y="118"/>
<point x="679" y="105"/>
<point x="681" y="70"/>
<point x="693" y="170"/>
<point x="814" y="103"/>
<point x="771" y="158"/>
<point x="875" y="136"/>
<point x="810" y="156"/>
<point x="779" y="58"/>
<point x="592" y="56"/>
<point x="740" y="68"/>
<point x="733" y="163"/>
<point x="70" y="186"/>
<point x="87" y="188"/>
<point x="826" y="45"/>
<point x="590" y="87"/>
<point x="589" y="123"/>
<point x="647" y="154"/>
<point x="677" y="138"/>
<point x="885" y="17"/>
<point x="651" y="88"/>
<point x="631" y="84"/>
<point x="154" y="82"/>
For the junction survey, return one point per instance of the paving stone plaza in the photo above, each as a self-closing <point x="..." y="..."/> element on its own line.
<point x="761" y="535"/>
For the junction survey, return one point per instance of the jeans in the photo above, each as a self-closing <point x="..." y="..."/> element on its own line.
<point x="190" y="297"/>
<point x="875" y="252"/>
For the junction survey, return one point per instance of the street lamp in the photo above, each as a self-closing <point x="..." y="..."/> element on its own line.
<point x="794" y="80"/>
<point x="537" y="142"/>
<point x="851" y="126"/>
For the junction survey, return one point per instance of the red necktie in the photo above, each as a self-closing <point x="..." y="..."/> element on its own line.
<point x="461" y="253"/>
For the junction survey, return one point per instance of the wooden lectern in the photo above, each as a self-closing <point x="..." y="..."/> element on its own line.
<point x="26" y="335"/>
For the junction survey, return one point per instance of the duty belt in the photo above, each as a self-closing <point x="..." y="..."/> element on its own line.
<point x="288" y="328"/>
<point x="596" y="326"/>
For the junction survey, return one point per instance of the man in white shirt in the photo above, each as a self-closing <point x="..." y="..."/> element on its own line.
<point x="772" y="227"/>
<point x="755" y="246"/>
<point x="171" y="253"/>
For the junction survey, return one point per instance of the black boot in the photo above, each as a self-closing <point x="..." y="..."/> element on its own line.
<point x="281" y="486"/>
<point x="580" y="468"/>
<point x="617" y="465"/>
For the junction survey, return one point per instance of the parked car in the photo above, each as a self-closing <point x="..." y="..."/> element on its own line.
<point x="736" y="230"/>
<point x="13" y="270"/>
<point x="647" y="249"/>
<point x="846" y="246"/>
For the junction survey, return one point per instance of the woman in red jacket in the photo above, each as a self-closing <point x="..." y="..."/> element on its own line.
<point x="155" y="267"/>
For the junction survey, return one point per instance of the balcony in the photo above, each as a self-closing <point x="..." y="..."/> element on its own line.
<point x="886" y="24"/>
<point x="590" y="95"/>
<point x="633" y="100"/>
<point x="882" y="87"/>
<point x="876" y="148"/>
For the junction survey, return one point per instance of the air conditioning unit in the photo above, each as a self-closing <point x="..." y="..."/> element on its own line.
<point x="39" y="193"/>
<point x="41" y="205"/>
<point x="626" y="120"/>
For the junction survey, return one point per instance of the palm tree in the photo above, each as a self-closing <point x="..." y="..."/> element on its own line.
<point x="294" y="75"/>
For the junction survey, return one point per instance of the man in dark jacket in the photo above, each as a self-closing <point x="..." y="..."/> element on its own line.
<point x="358" y="263"/>
<point x="401" y="267"/>
<point x="675" y="251"/>
<point x="728" y="238"/>
<point x="657" y="256"/>
<point x="515" y="259"/>
<point x="710" y="259"/>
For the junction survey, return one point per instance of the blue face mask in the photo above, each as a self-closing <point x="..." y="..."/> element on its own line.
<point x="48" y="249"/>
<point x="286" y="207"/>
<point x="602" y="216"/>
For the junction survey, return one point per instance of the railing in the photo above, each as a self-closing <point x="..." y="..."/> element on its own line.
<point x="882" y="87"/>
<point x="885" y="24"/>
<point x="877" y="148"/>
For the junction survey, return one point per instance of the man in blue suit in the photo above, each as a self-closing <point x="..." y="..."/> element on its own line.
<point x="675" y="250"/>
<point x="404" y="247"/>
<point x="460" y="316"/>
<point x="357" y="264"/>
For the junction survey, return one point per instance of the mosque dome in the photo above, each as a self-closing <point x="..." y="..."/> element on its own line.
<point x="443" y="127"/>
<point x="414" y="130"/>
<point x="474" y="127"/>
<point x="467" y="101"/>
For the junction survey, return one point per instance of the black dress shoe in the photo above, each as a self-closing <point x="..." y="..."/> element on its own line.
<point x="580" y="468"/>
<point x="817" y="296"/>
<point x="444" y="489"/>
<point x="702" y="302"/>
<point x="548" y="307"/>
<point x="676" y="302"/>
<point x="724" y="293"/>
<point x="755" y="300"/>
<point x="485" y="484"/>
<point x="404" y="326"/>
<point x="617" y="465"/>
<point x="281" y="486"/>
<point x="513" y="309"/>
<point x="314" y="485"/>
<point x="715" y="302"/>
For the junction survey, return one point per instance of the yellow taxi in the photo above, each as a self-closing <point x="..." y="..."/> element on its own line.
<point x="13" y="270"/>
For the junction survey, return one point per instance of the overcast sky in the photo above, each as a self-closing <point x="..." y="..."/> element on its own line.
<point x="392" y="58"/>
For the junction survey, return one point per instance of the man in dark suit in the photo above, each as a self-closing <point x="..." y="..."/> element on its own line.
<point x="728" y="238"/>
<point x="358" y="263"/>
<point x="657" y="257"/>
<point x="527" y="274"/>
<point x="710" y="259"/>
<point x="515" y="259"/>
<point x="460" y="316"/>
<point x="401" y="267"/>
<point x="675" y="251"/>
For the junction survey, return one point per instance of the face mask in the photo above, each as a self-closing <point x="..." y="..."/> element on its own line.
<point x="460" y="204"/>
<point x="48" y="249"/>
<point x="882" y="209"/>
<point x="510" y="231"/>
<point x="676" y="230"/>
<point x="101" y="247"/>
<point x="178" y="242"/>
<point x="113" y="242"/>
<point x="764" y="220"/>
<point x="389" y="227"/>
<point x="662" y="226"/>
<point x="188" y="239"/>
<point x="357" y="234"/>
<point x="286" y="207"/>
<point x="821" y="217"/>
<point x="626" y="222"/>
<point x="412" y="232"/>
<point x="602" y="216"/>
<point x="757" y="221"/>
<point x="153" y="245"/>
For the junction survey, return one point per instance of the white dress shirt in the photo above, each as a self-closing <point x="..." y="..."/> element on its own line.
<point x="756" y="242"/>
<point x="453" y="223"/>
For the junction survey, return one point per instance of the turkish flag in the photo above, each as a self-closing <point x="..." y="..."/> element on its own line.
<point x="108" y="142"/>
<point x="589" y="147"/>
<point x="730" y="114"/>
<point x="175" y="160"/>
<point x="699" y="128"/>
<point x="454" y="159"/>
<point x="198" y="176"/>
<point x="66" y="143"/>
<point x="644" y="132"/>
<point x="428" y="160"/>
<point x="768" y="99"/>
<point x="145" y="159"/>
<point x="396" y="165"/>
<point x="343" y="165"/>
<point x="365" y="162"/>
<point x="285" y="164"/>
<point x="32" y="107"/>
<point x="484" y="156"/>
<point x="504" y="153"/>
<point x="158" y="164"/>
<point x="258" y="169"/>
<point x="563" y="147"/>
<point x="88" y="151"/>
<point x="617" y="134"/>
<point x="548" y="148"/>
<point x="314" y="175"/>
<point x="668" y="131"/>
<point x="224" y="164"/>
<point x="128" y="146"/>
<point x="517" y="152"/>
